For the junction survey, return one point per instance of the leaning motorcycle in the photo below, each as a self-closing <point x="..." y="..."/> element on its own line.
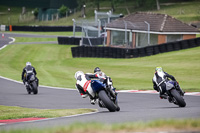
<point x="32" y="85"/>
<point x="175" y="94"/>
<point x="107" y="97"/>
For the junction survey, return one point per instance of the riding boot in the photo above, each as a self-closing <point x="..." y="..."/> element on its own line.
<point x="163" y="96"/>
<point x="92" y="99"/>
<point x="181" y="91"/>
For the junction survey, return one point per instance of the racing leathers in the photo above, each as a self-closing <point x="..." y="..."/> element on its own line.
<point x="160" y="80"/>
<point x="28" y="70"/>
<point x="103" y="78"/>
<point x="83" y="84"/>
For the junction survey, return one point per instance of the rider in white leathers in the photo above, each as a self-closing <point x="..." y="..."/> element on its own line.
<point x="83" y="83"/>
<point x="160" y="82"/>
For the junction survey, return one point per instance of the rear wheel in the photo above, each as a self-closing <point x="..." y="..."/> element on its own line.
<point x="107" y="101"/>
<point x="34" y="86"/>
<point x="179" y="99"/>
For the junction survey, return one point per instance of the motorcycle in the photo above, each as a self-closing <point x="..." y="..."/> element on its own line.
<point x="104" y="92"/>
<point x="175" y="93"/>
<point x="32" y="84"/>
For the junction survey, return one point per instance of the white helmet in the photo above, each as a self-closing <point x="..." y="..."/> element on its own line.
<point x="28" y="64"/>
<point x="78" y="73"/>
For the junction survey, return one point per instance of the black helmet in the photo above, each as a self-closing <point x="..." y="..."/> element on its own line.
<point x="97" y="69"/>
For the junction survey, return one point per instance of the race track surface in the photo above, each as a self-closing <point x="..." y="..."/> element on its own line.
<point x="134" y="107"/>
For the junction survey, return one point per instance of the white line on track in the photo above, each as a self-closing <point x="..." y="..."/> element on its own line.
<point x="121" y="91"/>
<point x="3" y="47"/>
<point x="13" y="40"/>
<point x="64" y="117"/>
<point x="71" y="116"/>
<point x="39" y="85"/>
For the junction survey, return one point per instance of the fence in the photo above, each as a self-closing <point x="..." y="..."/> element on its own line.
<point x="90" y="31"/>
<point x="112" y="52"/>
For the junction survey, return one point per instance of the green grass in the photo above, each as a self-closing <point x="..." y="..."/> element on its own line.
<point x="189" y="125"/>
<point x="56" y="67"/>
<point x="12" y="112"/>
<point x="28" y="39"/>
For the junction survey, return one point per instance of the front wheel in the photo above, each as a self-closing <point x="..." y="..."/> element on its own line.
<point x="179" y="99"/>
<point x="107" y="101"/>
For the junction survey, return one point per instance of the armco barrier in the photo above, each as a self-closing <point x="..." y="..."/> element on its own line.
<point x="76" y="40"/>
<point x="45" y="28"/>
<point x="177" y="46"/>
<point x="114" y="52"/>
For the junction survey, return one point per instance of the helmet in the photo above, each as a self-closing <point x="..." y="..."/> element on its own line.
<point x="158" y="69"/>
<point x="78" y="73"/>
<point x="97" y="69"/>
<point x="28" y="64"/>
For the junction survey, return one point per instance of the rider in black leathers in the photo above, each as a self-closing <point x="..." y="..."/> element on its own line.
<point x="27" y="71"/>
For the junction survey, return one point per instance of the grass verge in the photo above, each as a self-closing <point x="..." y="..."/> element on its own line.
<point x="56" y="67"/>
<point x="11" y="112"/>
<point x="189" y="125"/>
<point x="27" y="39"/>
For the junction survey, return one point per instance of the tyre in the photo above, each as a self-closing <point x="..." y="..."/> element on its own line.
<point x="34" y="87"/>
<point x="116" y="103"/>
<point x="107" y="102"/>
<point x="179" y="99"/>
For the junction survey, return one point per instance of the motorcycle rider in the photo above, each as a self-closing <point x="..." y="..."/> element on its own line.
<point x="160" y="80"/>
<point x="83" y="83"/>
<point x="98" y="73"/>
<point x="102" y="76"/>
<point x="27" y="71"/>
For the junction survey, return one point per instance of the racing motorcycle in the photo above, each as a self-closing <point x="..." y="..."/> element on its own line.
<point x="175" y="93"/>
<point x="104" y="92"/>
<point x="32" y="84"/>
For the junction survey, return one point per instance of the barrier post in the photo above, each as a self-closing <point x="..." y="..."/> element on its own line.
<point x="74" y="27"/>
<point x="10" y="27"/>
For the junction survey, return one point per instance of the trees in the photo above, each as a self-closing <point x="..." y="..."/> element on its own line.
<point x="150" y="4"/>
<point x="63" y="9"/>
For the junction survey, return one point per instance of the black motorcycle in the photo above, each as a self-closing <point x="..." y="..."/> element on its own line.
<point x="175" y="93"/>
<point x="32" y="84"/>
<point x="107" y="98"/>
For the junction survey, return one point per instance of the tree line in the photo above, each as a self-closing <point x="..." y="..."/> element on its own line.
<point x="138" y="3"/>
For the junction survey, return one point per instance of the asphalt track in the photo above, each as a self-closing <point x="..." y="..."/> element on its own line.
<point x="134" y="106"/>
